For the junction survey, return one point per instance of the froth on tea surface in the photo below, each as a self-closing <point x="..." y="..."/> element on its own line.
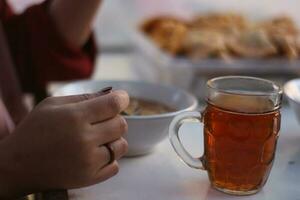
<point x="243" y="103"/>
<point x="240" y="147"/>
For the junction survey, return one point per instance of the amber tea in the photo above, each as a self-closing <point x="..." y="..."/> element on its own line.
<point x="239" y="147"/>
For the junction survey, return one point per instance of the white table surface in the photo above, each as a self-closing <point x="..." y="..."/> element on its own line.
<point x="162" y="176"/>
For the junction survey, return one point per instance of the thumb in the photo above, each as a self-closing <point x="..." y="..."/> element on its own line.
<point x="80" y="97"/>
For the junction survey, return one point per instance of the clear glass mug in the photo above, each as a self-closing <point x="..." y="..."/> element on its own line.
<point x="241" y="126"/>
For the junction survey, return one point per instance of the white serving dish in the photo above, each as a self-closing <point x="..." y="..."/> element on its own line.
<point x="292" y="92"/>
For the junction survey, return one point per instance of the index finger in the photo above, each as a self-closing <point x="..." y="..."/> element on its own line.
<point x="104" y="107"/>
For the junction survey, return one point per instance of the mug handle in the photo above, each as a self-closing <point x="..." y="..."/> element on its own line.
<point x="177" y="122"/>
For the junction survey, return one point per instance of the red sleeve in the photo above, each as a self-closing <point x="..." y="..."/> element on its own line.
<point x="41" y="55"/>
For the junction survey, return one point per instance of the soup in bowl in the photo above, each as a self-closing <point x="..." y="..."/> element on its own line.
<point x="149" y="114"/>
<point x="142" y="107"/>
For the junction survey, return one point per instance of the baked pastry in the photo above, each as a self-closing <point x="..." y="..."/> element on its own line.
<point x="252" y="44"/>
<point x="283" y="33"/>
<point x="280" y="25"/>
<point x="286" y="44"/>
<point x="227" y="23"/>
<point x="224" y="36"/>
<point x="204" y="43"/>
<point x="168" y="33"/>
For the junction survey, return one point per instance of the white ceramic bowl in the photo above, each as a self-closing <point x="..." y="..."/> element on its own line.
<point x="144" y="132"/>
<point x="292" y="91"/>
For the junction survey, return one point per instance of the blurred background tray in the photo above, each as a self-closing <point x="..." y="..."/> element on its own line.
<point x="154" y="65"/>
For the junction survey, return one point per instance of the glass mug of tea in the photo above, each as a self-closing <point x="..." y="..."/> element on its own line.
<point x="241" y="126"/>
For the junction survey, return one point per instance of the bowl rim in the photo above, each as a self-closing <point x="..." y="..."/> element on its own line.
<point x="287" y="93"/>
<point x="191" y="107"/>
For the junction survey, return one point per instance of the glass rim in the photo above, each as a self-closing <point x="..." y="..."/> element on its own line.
<point x="277" y="89"/>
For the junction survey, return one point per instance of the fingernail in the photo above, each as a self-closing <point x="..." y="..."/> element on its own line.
<point x="105" y="91"/>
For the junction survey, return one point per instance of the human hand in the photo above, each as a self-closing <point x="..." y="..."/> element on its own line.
<point x="60" y="145"/>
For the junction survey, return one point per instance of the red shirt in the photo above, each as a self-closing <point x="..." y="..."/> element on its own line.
<point x="39" y="53"/>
